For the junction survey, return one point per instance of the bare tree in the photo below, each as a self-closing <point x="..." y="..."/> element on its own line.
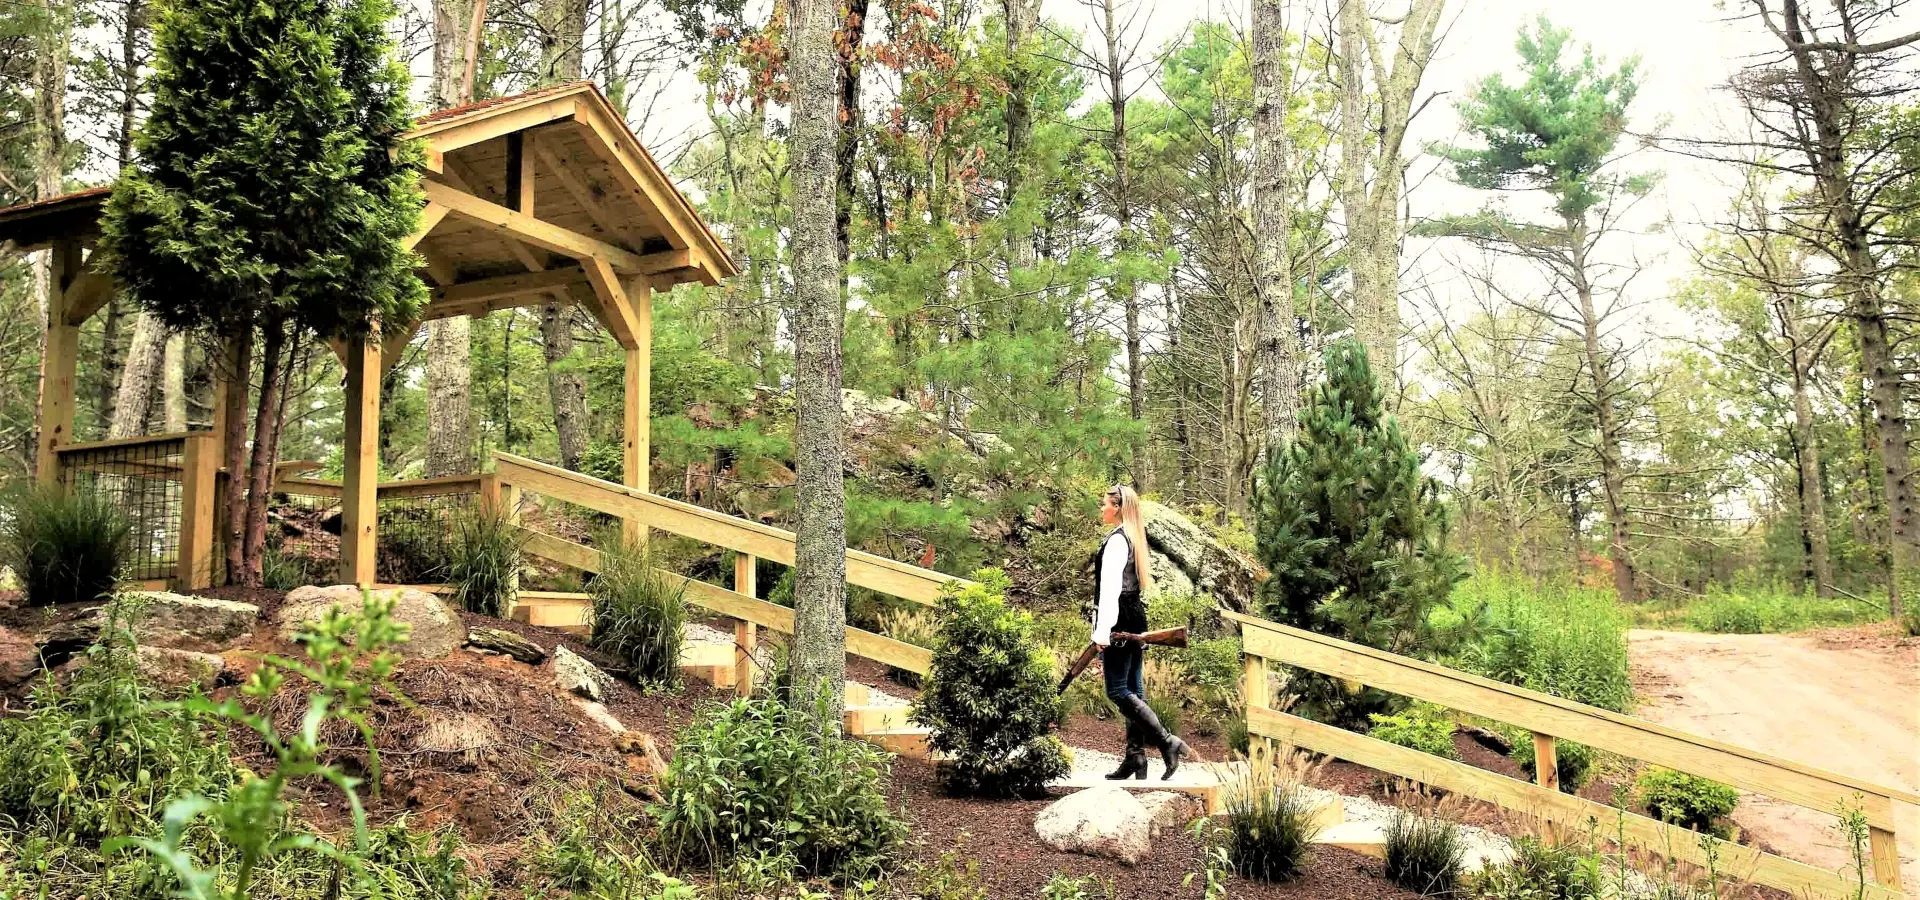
<point x="819" y="640"/>
<point x="1272" y="218"/>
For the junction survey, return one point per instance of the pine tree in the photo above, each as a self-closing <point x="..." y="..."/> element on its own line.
<point x="1353" y="532"/>
<point x="272" y="192"/>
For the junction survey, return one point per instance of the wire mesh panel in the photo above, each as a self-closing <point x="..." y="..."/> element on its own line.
<point x="414" y="541"/>
<point x="142" y="480"/>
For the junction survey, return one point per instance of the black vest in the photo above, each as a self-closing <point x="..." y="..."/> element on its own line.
<point x="1133" y="608"/>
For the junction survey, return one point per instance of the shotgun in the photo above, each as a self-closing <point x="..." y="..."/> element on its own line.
<point x="1165" y="637"/>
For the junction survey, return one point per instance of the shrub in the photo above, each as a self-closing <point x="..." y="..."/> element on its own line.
<point x="484" y="560"/>
<point x="1910" y="622"/>
<point x="1564" y="641"/>
<point x="1270" y="827"/>
<point x="1421" y="726"/>
<point x="1077" y="887"/>
<point x="103" y="756"/>
<point x="754" y="777"/>
<point x="1686" y="800"/>
<point x="639" y="614"/>
<point x="64" y="548"/>
<point x="989" y="696"/>
<point x="1424" y="854"/>
<point x="283" y="571"/>
<point x="1540" y="871"/>
<point x="1573" y="761"/>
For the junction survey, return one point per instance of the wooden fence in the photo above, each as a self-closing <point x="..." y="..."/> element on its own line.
<point x="1550" y="719"/>
<point x="750" y="541"/>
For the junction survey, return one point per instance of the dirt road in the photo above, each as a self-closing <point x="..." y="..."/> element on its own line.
<point x="1847" y="700"/>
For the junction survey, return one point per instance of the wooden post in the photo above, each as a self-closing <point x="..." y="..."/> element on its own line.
<point x="57" y="366"/>
<point x="1257" y="694"/>
<point x="746" y="635"/>
<point x="1546" y="773"/>
<point x="489" y="494"/>
<point x="200" y="469"/>
<point x="1886" y="858"/>
<point x="361" y="481"/>
<point x="639" y="403"/>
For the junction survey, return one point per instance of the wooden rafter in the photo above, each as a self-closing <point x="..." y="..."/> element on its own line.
<point x="527" y="229"/>
<point x="665" y="207"/>
<point x="564" y="171"/>
<point x="451" y="136"/>
<point x="615" y="311"/>
<point x="429" y="219"/>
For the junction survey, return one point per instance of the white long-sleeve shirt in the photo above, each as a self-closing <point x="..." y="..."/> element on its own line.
<point x="1113" y="571"/>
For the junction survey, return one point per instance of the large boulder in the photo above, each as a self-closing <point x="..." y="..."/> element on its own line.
<point x="573" y="674"/>
<point x="1208" y="565"/>
<point x="193" y="623"/>
<point x="1105" y="821"/>
<point x="180" y="668"/>
<point x="436" y="628"/>
<point x="19" y="658"/>
<point x="1168" y="809"/>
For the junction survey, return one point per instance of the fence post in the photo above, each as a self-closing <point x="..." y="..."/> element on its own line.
<point x="1256" y="694"/>
<point x="1546" y="772"/>
<point x="746" y="635"/>
<point x="200" y="470"/>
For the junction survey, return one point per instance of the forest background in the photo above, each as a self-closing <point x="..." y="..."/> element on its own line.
<point x="1055" y="264"/>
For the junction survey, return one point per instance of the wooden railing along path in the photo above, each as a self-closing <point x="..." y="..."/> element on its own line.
<point x="1550" y="719"/>
<point x="750" y="541"/>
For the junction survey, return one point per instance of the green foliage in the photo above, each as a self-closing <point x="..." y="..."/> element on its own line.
<point x="1910" y="622"/>
<point x="486" y="560"/>
<point x="953" y="875"/>
<point x="1540" y="871"/>
<point x="271" y="182"/>
<point x="1685" y="800"/>
<point x="283" y="571"/>
<point x="1421" y="726"/>
<point x="1554" y="132"/>
<point x="755" y="777"/>
<point x="919" y="627"/>
<point x="64" y="547"/>
<point x="1353" y="532"/>
<point x="1424" y="854"/>
<point x="639" y="613"/>
<point x="1573" y="762"/>
<point x="1767" y="612"/>
<point x="1216" y="851"/>
<point x="1270" y="828"/>
<point x="1063" y="886"/>
<point x="989" y="697"/>
<point x="1566" y="641"/>
<point x="103" y="756"/>
<point x="348" y="660"/>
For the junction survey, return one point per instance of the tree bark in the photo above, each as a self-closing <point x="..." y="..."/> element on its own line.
<point x="173" y="383"/>
<point x="562" y="40"/>
<point x="562" y="56"/>
<point x="133" y="403"/>
<point x="266" y="451"/>
<point x="1607" y="421"/>
<point x="1020" y="18"/>
<point x="819" y="642"/>
<point x="1125" y="288"/>
<point x="1272" y="200"/>
<point x="236" y="367"/>
<point x="1813" y="506"/>
<point x="449" y="397"/>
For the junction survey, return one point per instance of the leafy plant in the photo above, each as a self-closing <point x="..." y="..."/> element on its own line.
<point x="1424" y="853"/>
<point x="283" y="571"/>
<point x="485" y="560"/>
<point x="1686" y="800"/>
<point x="104" y="756"/>
<point x="348" y="659"/>
<point x="1270" y="826"/>
<point x="64" y="547"/>
<point x="1076" y="887"/>
<point x="756" y="777"/>
<point x="1573" y="762"/>
<point x="1565" y="641"/>
<point x="989" y="696"/>
<point x="1540" y="871"/>
<point x="1421" y="726"/>
<point x="1216" y="852"/>
<point x="639" y="613"/>
<point x="953" y="875"/>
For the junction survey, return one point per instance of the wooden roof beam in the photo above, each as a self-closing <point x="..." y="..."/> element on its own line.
<point x="525" y="228"/>
<point x="665" y="208"/>
<point x="615" y="311"/>
<point x="563" y="170"/>
<point x="466" y="133"/>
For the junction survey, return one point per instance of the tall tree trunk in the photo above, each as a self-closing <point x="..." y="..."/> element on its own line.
<point x="1813" y="505"/>
<point x="236" y="368"/>
<point x="173" y="383"/>
<point x="1607" y="421"/>
<point x="1272" y="201"/>
<point x="562" y="57"/>
<point x="1021" y="19"/>
<point x="449" y="340"/>
<point x="853" y="36"/>
<point x="133" y="25"/>
<point x="266" y="451"/>
<point x="1126" y="289"/>
<point x="819" y="640"/>
<point x="563" y="32"/>
<point x="145" y="355"/>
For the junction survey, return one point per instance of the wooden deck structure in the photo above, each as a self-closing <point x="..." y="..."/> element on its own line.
<point x="536" y="198"/>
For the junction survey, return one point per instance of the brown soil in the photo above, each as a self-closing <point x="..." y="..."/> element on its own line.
<point x="1841" y="699"/>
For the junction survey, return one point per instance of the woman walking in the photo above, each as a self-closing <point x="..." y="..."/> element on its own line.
<point x="1120" y="579"/>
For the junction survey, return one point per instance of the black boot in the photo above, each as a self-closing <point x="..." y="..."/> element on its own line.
<point x="1134" y="764"/>
<point x="1172" y="748"/>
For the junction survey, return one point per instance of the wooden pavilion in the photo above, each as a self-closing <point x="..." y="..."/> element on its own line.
<point x="534" y="198"/>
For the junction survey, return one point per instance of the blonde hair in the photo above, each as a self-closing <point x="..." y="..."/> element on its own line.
<point x="1134" y="526"/>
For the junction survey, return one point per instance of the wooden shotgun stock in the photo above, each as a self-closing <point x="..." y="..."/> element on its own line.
<point x="1165" y="637"/>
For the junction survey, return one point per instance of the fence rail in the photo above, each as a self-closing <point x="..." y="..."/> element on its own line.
<point x="1551" y="718"/>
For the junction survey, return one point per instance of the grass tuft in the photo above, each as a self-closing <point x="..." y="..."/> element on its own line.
<point x="64" y="547"/>
<point x="639" y="614"/>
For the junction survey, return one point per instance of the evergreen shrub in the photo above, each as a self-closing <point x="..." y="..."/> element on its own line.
<point x="1421" y="726"/>
<point x="989" y="696"/>
<point x="64" y="547"/>
<point x="1685" y="800"/>
<point x="485" y="560"/>
<point x="1355" y="535"/>
<point x="639" y="614"/>
<point x="755" y="777"/>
